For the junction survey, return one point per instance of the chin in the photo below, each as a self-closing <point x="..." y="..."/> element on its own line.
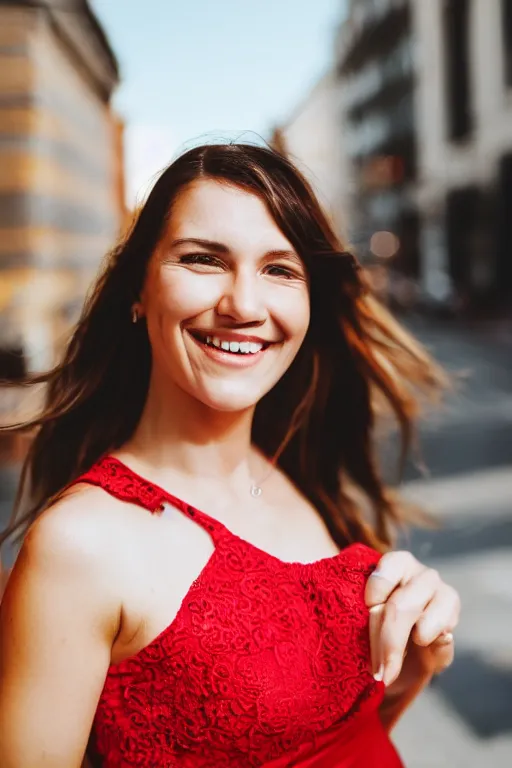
<point x="229" y="400"/>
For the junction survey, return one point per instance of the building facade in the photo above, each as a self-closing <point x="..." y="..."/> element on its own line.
<point x="464" y="129"/>
<point x="376" y="70"/>
<point x="61" y="177"/>
<point x="426" y="94"/>
<point x="312" y="140"/>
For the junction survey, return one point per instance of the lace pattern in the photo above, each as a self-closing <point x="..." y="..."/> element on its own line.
<point x="262" y="657"/>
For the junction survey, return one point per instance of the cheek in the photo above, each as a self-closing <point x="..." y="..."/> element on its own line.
<point x="292" y="312"/>
<point x="183" y="296"/>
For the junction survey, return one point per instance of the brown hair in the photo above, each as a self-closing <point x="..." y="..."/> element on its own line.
<point x="317" y="422"/>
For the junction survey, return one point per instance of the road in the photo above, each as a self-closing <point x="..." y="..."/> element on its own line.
<point x="465" y="718"/>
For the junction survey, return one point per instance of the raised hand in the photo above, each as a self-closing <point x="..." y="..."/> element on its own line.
<point x="412" y="617"/>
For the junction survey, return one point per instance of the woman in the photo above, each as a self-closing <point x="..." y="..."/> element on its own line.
<point x="228" y="360"/>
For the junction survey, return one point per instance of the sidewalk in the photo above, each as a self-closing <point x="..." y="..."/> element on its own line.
<point x="464" y="720"/>
<point x="431" y="736"/>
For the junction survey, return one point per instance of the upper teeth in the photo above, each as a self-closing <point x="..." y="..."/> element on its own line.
<point x="246" y="347"/>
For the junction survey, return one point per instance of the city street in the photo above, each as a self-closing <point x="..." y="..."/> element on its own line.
<point x="397" y="114"/>
<point x="465" y="718"/>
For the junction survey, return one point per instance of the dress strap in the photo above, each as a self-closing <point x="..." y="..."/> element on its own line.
<point x="117" y="479"/>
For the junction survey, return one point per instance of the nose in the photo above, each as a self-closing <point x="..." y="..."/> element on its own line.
<point x="242" y="300"/>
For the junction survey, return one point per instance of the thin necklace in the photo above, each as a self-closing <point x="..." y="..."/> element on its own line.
<point x="256" y="490"/>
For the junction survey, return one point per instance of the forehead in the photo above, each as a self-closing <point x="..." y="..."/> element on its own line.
<point x="225" y="213"/>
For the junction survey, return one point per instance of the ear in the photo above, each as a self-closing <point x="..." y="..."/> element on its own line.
<point x="138" y="307"/>
<point x="137" y="311"/>
<point x="140" y="304"/>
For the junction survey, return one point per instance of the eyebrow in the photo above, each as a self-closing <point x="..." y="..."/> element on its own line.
<point x="221" y="248"/>
<point x="211" y="244"/>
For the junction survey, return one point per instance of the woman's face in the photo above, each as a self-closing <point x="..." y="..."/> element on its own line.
<point x="226" y="298"/>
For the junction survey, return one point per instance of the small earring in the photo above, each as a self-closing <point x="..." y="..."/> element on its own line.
<point x="135" y="315"/>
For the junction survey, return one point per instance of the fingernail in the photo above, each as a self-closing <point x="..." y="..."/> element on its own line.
<point x="392" y="668"/>
<point x="379" y="675"/>
<point x="445" y="638"/>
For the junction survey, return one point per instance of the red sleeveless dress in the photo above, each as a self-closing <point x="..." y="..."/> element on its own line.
<point x="265" y="664"/>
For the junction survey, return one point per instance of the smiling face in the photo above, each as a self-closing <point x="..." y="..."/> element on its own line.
<point x="226" y="298"/>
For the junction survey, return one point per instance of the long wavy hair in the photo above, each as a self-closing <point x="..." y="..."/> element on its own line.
<point x="317" y="423"/>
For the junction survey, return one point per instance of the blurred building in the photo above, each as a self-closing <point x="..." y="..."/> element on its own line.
<point x="426" y="95"/>
<point x="375" y="61"/>
<point x="311" y="138"/>
<point x="464" y="129"/>
<point x="61" y="177"/>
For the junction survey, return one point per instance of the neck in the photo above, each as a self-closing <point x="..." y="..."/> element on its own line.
<point x="178" y="432"/>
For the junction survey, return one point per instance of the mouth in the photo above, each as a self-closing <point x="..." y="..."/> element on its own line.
<point x="242" y="346"/>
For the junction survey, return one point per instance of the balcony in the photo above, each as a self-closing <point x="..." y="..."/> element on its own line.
<point x="375" y="77"/>
<point x="380" y="129"/>
<point x="371" y="29"/>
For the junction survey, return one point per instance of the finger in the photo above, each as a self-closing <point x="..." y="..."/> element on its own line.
<point x="444" y="648"/>
<point x="375" y="624"/>
<point x="393" y="570"/>
<point x="441" y="645"/>
<point x="403" y="610"/>
<point x="441" y="615"/>
<point x="445" y="638"/>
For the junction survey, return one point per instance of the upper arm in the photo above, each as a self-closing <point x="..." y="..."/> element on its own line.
<point x="58" y="619"/>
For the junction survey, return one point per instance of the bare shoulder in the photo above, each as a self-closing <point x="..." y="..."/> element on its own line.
<point x="82" y="536"/>
<point x="77" y="525"/>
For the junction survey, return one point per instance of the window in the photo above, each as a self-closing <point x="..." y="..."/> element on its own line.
<point x="506" y="17"/>
<point x="458" y="86"/>
<point x="12" y="364"/>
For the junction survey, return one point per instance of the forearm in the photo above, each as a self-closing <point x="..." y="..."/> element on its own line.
<point x="4" y="575"/>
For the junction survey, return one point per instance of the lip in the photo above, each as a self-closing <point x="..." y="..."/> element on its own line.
<point x="228" y="358"/>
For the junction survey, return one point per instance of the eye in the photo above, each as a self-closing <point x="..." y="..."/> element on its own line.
<point x="201" y="260"/>
<point x="276" y="270"/>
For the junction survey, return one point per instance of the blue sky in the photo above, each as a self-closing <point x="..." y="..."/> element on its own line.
<point x="211" y="68"/>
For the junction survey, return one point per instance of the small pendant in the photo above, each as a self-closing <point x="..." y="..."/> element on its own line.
<point x="255" y="491"/>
